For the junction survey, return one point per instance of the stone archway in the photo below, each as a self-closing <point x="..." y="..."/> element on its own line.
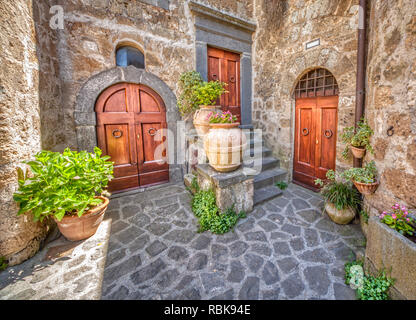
<point x="85" y="117"/>
<point x="340" y="65"/>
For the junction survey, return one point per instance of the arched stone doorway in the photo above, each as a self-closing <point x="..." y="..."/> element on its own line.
<point x="86" y="119"/>
<point x="131" y="129"/>
<point x="316" y="122"/>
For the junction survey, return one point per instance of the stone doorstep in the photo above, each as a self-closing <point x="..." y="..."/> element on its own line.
<point x="389" y="249"/>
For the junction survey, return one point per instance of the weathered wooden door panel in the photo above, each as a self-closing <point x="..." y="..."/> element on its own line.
<point x="315" y="138"/>
<point x="225" y="66"/>
<point x="327" y="120"/>
<point x="122" y="112"/>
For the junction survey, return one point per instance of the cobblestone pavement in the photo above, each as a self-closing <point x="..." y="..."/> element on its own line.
<point x="284" y="249"/>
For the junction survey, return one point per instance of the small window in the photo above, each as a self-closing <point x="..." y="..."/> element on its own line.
<point x="315" y="83"/>
<point x="126" y="56"/>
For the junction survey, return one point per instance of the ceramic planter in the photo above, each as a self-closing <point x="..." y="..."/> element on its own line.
<point x="224" y="146"/>
<point x="201" y="122"/>
<point x="358" y="153"/>
<point x="344" y="216"/>
<point x="76" y="228"/>
<point x="366" y="188"/>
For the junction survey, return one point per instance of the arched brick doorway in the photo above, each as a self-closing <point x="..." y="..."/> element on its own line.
<point x="316" y="118"/>
<point x="131" y="129"/>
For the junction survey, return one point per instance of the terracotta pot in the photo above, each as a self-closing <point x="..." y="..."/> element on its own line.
<point x="76" y="228"/>
<point x="358" y="153"/>
<point x="366" y="188"/>
<point x="201" y="122"/>
<point x="224" y="146"/>
<point x="339" y="216"/>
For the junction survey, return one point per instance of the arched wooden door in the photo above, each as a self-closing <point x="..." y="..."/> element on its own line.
<point x="315" y="127"/>
<point x="131" y="126"/>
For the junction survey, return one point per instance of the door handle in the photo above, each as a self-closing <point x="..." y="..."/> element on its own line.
<point x="317" y="141"/>
<point x="138" y="136"/>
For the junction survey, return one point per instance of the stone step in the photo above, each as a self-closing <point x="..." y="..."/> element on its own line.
<point x="270" y="163"/>
<point x="269" y="178"/>
<point x="265" y="152"/>
<point x="267" y="193"/>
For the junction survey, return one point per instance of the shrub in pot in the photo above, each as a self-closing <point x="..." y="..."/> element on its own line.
<point x="225" y="142"/>
<point x="341" y="199"/>
<point x="358" y="140"/>
<point x="197" y="98"/>
<point x="365" y="179"/>
<point x="68" y="188"/>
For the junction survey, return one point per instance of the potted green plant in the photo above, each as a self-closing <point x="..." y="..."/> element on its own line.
<point x="365" y="179"/>
<point x="357" y="139"/>
<point x="67" y="187"/>
<point x="341" y="199"/>
<point x="197" y="97"/>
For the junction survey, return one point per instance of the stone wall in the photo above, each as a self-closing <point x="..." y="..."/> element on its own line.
<point x="280" y="59"/>
<point x="391" y="101"/>
<point x="20" y="125"/>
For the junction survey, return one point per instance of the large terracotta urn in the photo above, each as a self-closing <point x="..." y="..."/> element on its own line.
<point x="224" y="145"/>
<point x="201" y="119"/>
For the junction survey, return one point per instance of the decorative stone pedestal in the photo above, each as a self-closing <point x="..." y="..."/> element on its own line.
<point x="230" y="188"/>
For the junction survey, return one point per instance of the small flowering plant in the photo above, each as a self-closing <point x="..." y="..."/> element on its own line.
<point x="221" y="117"/>
<point x="399" y="220"/>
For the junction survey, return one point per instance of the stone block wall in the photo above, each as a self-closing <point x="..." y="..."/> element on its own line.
<point x="20" y="126"/>
<point x="280" y="59"/>
<point x="391" y="102"/>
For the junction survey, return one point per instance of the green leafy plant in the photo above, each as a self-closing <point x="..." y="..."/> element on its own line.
<point x="189" y="82"/>
<point x="364" y="215"/>
<point x="359" y="138"/>
<point x="338" y="191"/>
<point x="368" y="287"/>
<point x="3" y="263"/>
<point x="210" y="218"/>
<point x="208" y="92"/>
<point x="282" y="185"/>
<point x="367" y="174"/>
<point x="195" y="92"/>
<point x="63" y="183"/>
<point x="375" y="288"/>
<point x="221" y="117"/>
<point x="399" y="220"/>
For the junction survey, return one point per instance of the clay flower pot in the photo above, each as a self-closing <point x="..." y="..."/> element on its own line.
<point x="366" y="188"/>
<point x="76" y="228"/>
<point x="344" y="216"/>
<point x="201" y="119"/>
<point x="224" y="145"/>
<point x="358" y="153"/>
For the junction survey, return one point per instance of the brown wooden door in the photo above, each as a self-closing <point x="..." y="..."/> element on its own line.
<point x="315" y="139"/>
<point x="225" y="66"/>
<point x="131" y="125"/>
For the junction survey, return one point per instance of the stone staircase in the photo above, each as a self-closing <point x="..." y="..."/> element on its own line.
<point x="264" y="183"/>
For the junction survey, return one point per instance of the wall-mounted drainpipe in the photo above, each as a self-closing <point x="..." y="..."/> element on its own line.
<point x="361" y="67"/>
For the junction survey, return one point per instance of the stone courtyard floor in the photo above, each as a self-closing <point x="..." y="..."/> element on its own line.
<point x="148" y="248"/>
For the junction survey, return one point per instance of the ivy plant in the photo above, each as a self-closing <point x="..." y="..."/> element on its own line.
<point x="3" y="263"/>
<point x="367" y="174"/>
<point x="210" y="218"/>
<point x="282" y="185"/>
<point x="338" y="191"/>
<point x="359" y="137"/>
<point x="63" y="183"/>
